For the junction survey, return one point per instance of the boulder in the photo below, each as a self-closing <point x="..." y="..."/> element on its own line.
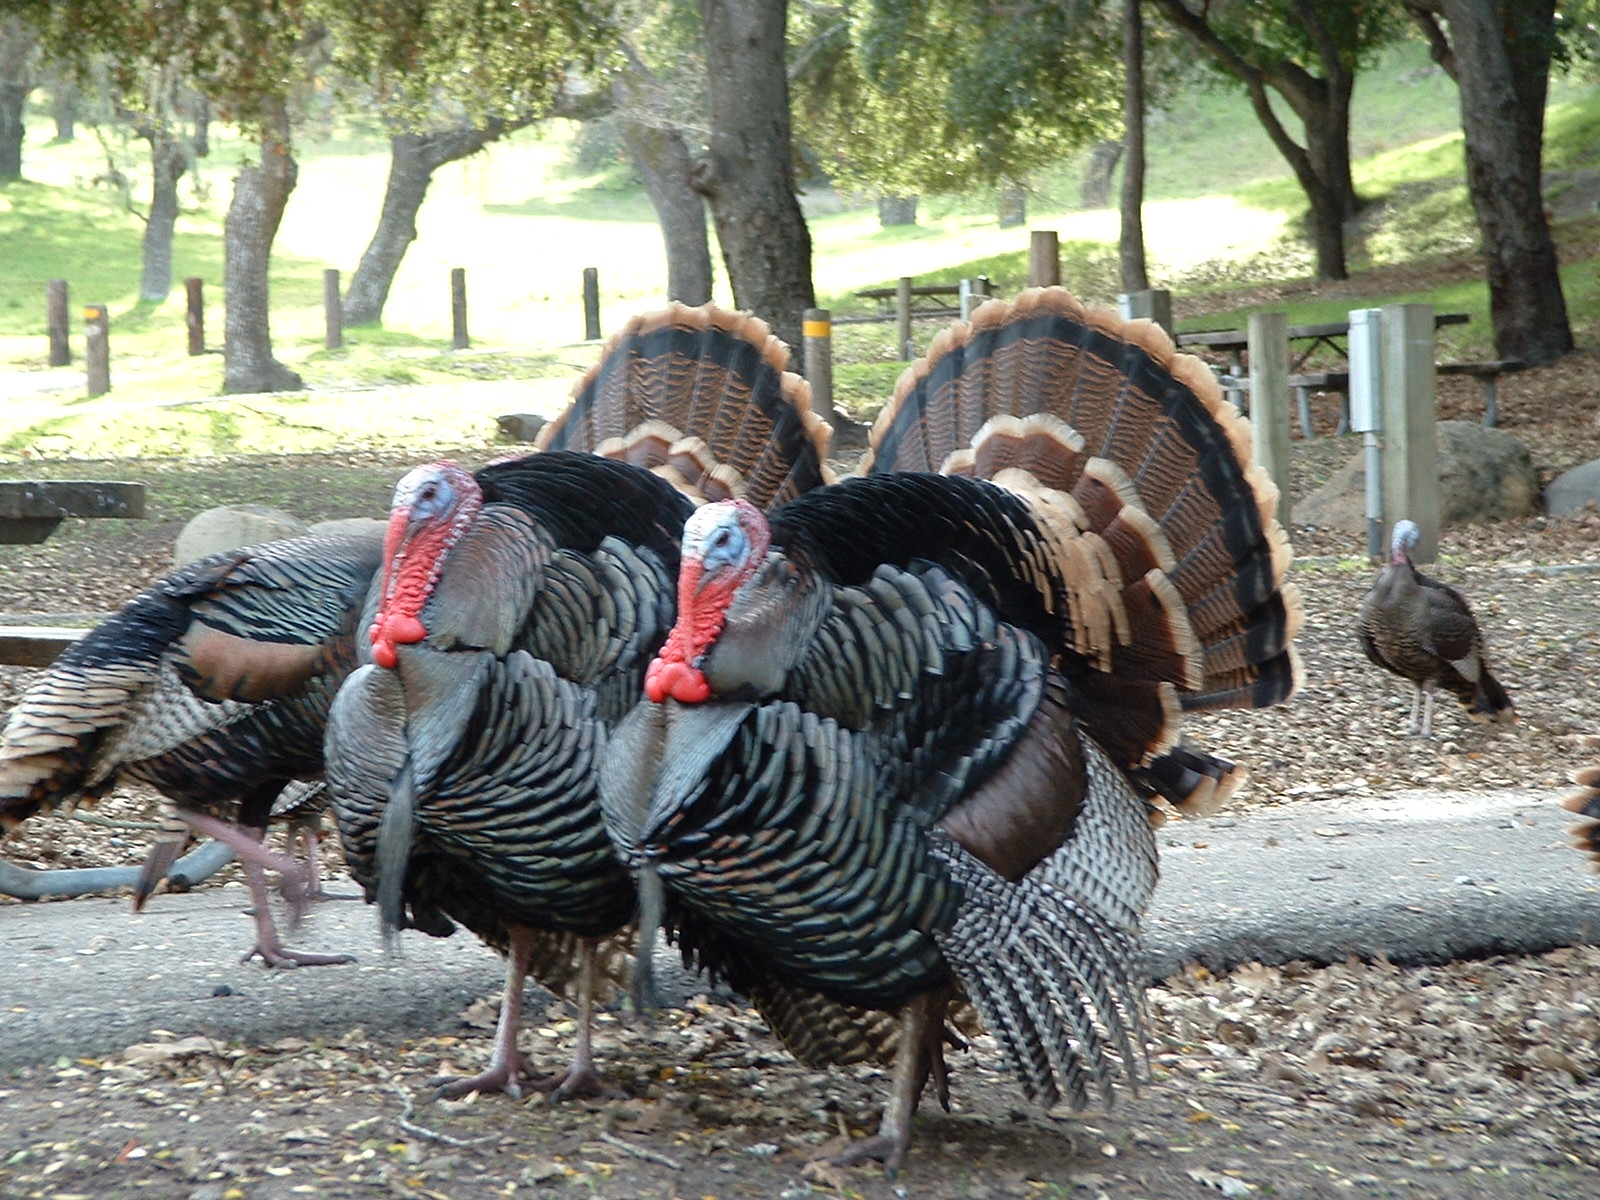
<point x="520" y="427"/>
<point x="1572" y="490"/>
<point x="351" y="525"/>
<point x="1484" y="475"/>
<point x="232" y="526"/>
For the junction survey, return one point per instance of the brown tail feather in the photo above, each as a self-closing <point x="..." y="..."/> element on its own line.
<point x="702" y="396"/>
<point x="1128" y="452"/>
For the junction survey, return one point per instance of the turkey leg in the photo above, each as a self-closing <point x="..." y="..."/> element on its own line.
<point x="581" y="1080"/>
<point x="506" y="1071"/>
<point x="255" y="858"/>
<point x="919" y="1055"/>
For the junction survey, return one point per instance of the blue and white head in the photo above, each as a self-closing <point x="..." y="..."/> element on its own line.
<point x="1403" y="540"/>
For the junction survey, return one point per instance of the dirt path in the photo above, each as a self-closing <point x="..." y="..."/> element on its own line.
<point x="1467" y="1079"/>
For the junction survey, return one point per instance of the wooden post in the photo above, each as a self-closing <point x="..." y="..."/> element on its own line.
<point x="591" y="304"/>
<point x="1151" y="304"/>
<point x="195" y="313"/>
<point x="458" y="309"/>
<point x="902" y="313"/>
<point x="55" y="295"/>
<point x="97" y="348"/>
<point x="332" y="313"/>
<point x="1269" y="400"/>
<point x="1410" y="425"/>
<point x="1044" y="259"/>
<point x="817" y="326"/>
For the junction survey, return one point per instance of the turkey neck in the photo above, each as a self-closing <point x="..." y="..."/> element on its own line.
<point x="767" y="629"/>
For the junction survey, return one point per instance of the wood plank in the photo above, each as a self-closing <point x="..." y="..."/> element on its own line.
<point x="57" y="498"/>
<point x="35" y="645"/>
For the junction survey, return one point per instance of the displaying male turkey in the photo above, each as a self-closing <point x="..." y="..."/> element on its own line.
<point x="516" y="615"/>
<point x="1422" y="630"/>
<point x="211" y="687"/>
<point x="902" y="737"/>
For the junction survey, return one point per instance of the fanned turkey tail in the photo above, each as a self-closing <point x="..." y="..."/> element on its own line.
<point x="704" y="398"/>
<point x="1155" y="548"/>
<point x="1164" y="546"/>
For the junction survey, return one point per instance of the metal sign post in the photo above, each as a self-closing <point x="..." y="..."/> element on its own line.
<point x="1366" y="390"/>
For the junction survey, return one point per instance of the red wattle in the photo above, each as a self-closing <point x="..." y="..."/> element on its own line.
<point x="390" y="631"/>
<point x="683" y="683"/>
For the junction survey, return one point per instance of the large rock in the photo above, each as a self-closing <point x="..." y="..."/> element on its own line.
<point x="1484" y="475"/>
<point x="1572" y="490"/>
<point x="230" y="527"/>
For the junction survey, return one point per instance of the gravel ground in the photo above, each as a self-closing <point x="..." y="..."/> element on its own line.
<point x="1462" y="1079"/>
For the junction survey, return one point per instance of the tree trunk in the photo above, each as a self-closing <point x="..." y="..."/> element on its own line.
<point x="1013" y="205"/>
<point x="168" y="162"/>
<point x="1130" y="247"/>
<point x="1096" y="189"/>
<point x="259" y="195"/>
<point x="896" y="210"/>
<point x="1322" y="165"/>
<point x="413" y="158"/>
<point x="1499" y="55"/>
<point x="17" y="45"/>
<point x="64" y="109"/>
<point x="748" y="173"/>
<point x="662" y="158"/>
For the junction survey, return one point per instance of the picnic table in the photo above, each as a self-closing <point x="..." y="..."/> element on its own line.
<point x="1333" y="337"/>
<point x="30" y="511"/>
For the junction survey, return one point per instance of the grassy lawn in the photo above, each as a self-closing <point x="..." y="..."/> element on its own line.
<point x="524" y="224"/>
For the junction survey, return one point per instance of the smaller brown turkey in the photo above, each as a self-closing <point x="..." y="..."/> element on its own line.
<point x="1423" y="630"/>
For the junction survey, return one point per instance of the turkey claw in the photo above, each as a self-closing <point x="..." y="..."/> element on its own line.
<point x="502" y="1078"/>
<point x="285" y="960"/>
<point x="578" y="1084"/>
<point x="890" y="1151"/>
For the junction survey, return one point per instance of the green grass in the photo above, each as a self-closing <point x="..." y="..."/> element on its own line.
<point x="524" y="223"/>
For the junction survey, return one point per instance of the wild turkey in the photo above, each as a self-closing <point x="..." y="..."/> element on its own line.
<point x="211" y="687"/>
<point x="1422" y="630"/>
<point x="515" y="617"/>
<point x="903" y="735"/>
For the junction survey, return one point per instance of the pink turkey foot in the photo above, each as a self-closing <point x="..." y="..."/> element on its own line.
<point x="277" y="956"/>
<point x="268" y="947"/>
<point x="501" y="1076"/>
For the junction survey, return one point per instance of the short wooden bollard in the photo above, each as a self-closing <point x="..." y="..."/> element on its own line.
<point x="1269" y="400"/>
<point x="817" y="326"/>
<point x="591" y="304"/>
<point x="1044" y="259"/>
<point x="55" y="293"/>
<point x="332" y="313"/>
<point x="97" y="348"/>
<point x="902" y="313"/>
<point x="458" y="309"/>
<point x="195" y="313"/>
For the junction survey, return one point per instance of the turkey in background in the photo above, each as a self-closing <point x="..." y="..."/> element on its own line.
<point x="903" y="742"/>
<point x="517" y="611"/>
<point x="212" y="687"/>
<point x="1422" y="630"/>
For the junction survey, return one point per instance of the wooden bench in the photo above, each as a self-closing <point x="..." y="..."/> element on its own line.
<point x="30" y="510"/>
<point x="1487" y="373"/>
<point x="35" y="645"/>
